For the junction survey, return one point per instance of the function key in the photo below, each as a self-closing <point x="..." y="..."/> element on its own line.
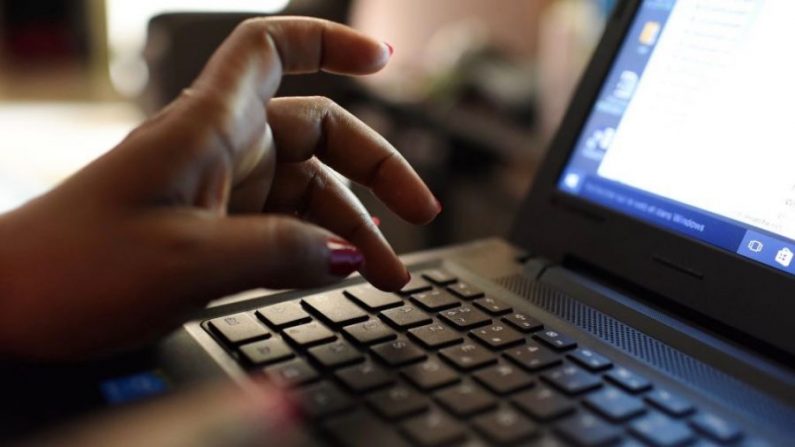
<point x="238" y="328"/>
<point x="505" y="426"/>
<point x="590" y="360"/>
<point x="405" y="317"/>
<point x="465" y="291"/>
<point x="373" y="299"/>
<point x="369" y="332"/>
<point x="416" y="284"/>
<point x="466" y="399"/>
<point x="439" y="277"/>
<point x="533" y="357"/>
<point x="435" y="300"/>
<point x="398" y="402"/>
<point x="556" y="340"/>
<point x="465" y="317"/>
<point x="323" y="399"/>
<point x="715" y="427"/>
<point x="629" y="380"/>
<point x="468" y="356"/>
<point x="335" y="354"/>
<point x="670" y="403"/>
<point x="498" y="336"/>
<point x="434" y="429"/>
<point x="503" y="378"/>
<point x="364" y="377"/>
<point x="615" y="405"/>
<point x="334" y="308"/>
<point x="572" y="380"/>
<point x="435" y="335"/>
<point x="430" y="374"/>
<point x="266" y="351"/>
<point x="543" y="403"/>
<point x="585" y="429"/>
<point x="492" y="305"/>
<point x="309" y="334"/>
<point x="662" y="431"/>
<point x="523" y="322"/>
<point x="295" y="372"/>
<point x="398" y="352"/>
<point x="284" y="314"/>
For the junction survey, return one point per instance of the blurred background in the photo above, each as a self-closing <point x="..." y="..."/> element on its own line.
<point x="471" y="97"/>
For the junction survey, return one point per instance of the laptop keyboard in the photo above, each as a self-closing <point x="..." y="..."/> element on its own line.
<point x="442" y="364"/>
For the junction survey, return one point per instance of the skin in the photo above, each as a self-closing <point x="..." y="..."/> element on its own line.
<point x="224" y="190"/>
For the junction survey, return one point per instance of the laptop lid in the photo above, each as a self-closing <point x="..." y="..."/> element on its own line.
<point x="674" y="168"/>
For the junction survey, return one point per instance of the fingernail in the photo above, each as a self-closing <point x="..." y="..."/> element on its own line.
<point x="344" y="258"/>
<point x="389" y="48"/>
<point x="439" y="206"/>
<point x="376" y="220"/>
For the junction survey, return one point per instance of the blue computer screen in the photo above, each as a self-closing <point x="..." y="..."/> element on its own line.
<point x="694" y="127"/>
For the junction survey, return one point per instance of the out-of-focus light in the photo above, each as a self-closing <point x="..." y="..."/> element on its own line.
<point x="127" y="21"/>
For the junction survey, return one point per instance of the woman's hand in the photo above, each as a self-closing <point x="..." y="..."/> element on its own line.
<point x="224" y="190"/>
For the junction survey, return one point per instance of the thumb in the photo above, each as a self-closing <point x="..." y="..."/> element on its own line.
<point x="275" y="252"/>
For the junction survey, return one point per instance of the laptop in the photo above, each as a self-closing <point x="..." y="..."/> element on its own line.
<point x="645" y="297"/>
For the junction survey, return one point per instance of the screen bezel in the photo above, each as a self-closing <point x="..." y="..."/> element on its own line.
<point x="748" y="297"/>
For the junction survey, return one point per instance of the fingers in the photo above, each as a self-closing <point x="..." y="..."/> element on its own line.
<point x="304" y="127"/>
<point x="316" y="194"/>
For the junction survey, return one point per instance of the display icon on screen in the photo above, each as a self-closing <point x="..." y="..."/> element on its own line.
<point x="651" y="30"/>
<point x="572" y="181"/>
<point x="784" y="257"/>
<point x="627" y="83"/>
<point x="755" y="246"/>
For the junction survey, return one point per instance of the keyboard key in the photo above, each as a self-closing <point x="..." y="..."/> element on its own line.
<point x="405" y="317"/>
<point x="398" y="402"/>
<point x="505" y="426"/>
<point x="335" y="309"/>
<point x="266" y="351"/>
<point x="572" y="379"/>
<point x="466" y="399"/>
<point x="615" y="405"/>
<point x="670" y="403"/>
<point x="523" y="322"/>
<point x="289" y="313"/>
<point x="465" y="291"/>
<point x="556" y="340"/>
<point x="369" y="332"/>
<point x="465" y="317"/>
<point x="373" y="299"/>
<point x="498" y="336"/>
<point x="715" y="427"/>
<point x="238" y="328"/>
<point x="661" y="431"/>
<point x="398" y="352"/>
<point x="435" y="335"/>
<point x="364" y="377"/>
<point x="323" y="399"/>
<point x="416" y="284"/>
<point x="309" y="334"/>
<point x="543" y="403"/>
<point x="492" y="305"/>
<point x="359" y="429"/>
<point x="430" y="374"/>
<point x="503" y="378"/>
<point x="587" y="430"/>
<point x="438" y="276"/>
<point x="335" y="354"/>
<point x="295" y="372"/>
<point x="533" y="357"/>
<point x="468" y="356"/>
<point x="590" y="360"/>
<point x="434" y="429"/>
<point x="435" y="300"/>
<point x="629" y="380"/>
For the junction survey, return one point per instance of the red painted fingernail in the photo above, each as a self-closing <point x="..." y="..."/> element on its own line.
<point x="344" y="258"/>
<point x="376" y="220"/>
<point x="389" y="47"/>
<point x="439" y="206"/>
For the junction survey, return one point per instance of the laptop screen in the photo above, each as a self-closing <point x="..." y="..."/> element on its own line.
<point x="694" y="127"/>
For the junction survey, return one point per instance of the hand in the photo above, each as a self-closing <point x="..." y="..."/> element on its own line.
<point x="225" y="190"/>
